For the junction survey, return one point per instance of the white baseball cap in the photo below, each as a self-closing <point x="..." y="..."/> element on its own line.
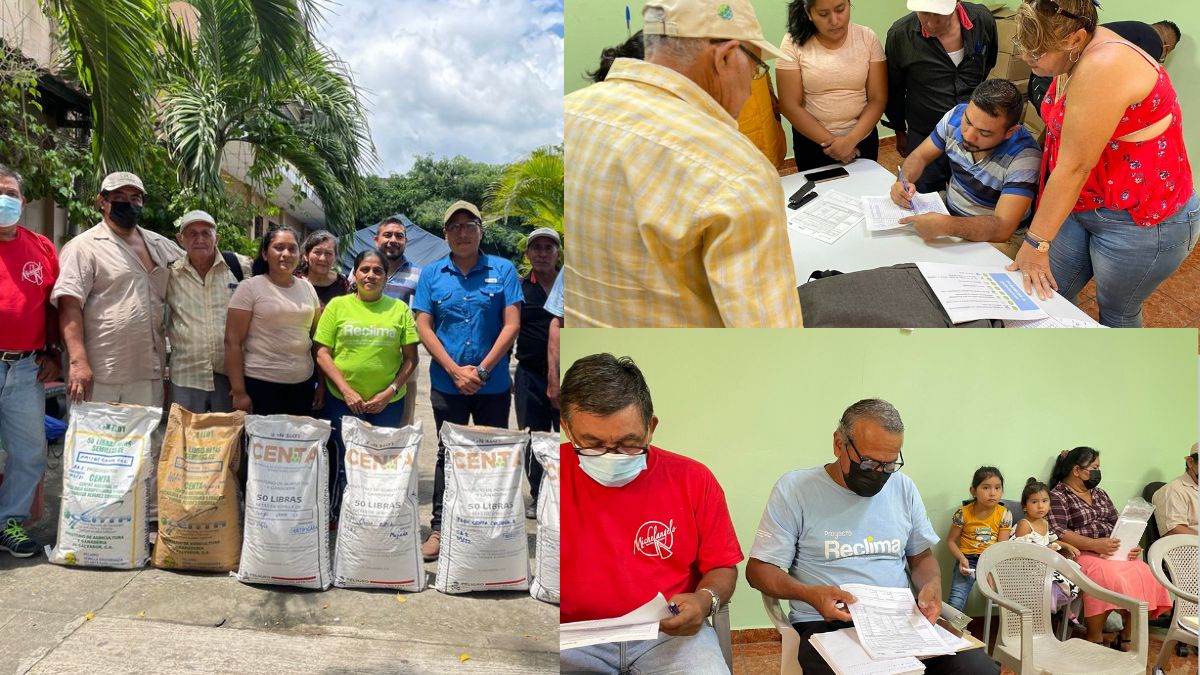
<point x="720" y="19"/>
<point x="196" y="216"/>
<point x="119" y="179"/>
<point x="547" y="232"/>
<point x="943" y="7"/>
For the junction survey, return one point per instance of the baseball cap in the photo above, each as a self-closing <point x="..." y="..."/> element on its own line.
<point x="196" y="216"/>
<point x="721" y="19"/>
<point x="460" y="206"/>
<point x="118" y="179"/>
<point x="942" y="7"/>
<point x="546" y="232"/>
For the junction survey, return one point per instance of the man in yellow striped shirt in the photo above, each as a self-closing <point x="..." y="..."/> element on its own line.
<point x="676" y="218"/>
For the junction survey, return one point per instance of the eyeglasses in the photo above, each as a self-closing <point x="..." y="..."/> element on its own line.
<point x="1018" y="50"/>
<point x="454" y="227"/>
<point x="1054" y="8"/>
<point x="600" y="450"/>
<point x="872" y="464"/>
<point x="760" y="67"/>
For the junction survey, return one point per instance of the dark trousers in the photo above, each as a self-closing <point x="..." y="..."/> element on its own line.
<point x="970" y="662"/>
<point x="810" y="155"/>
<point x="535" y="413"/>
<point x="489" y="410"/>
<point x="936" y="176"/>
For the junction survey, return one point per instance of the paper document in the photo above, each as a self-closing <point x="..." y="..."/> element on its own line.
<point x="968" y="292"/>
<point x="827" y="217"/>
<point x="640" y="624"/>
<point x="1053" y="322"/>
<point x="955" y="642"/>
<point x="1130" y="527"/>
<point x="890" y="626"/>
<point x="883" y="214"/>
<point x="845" y="655"/>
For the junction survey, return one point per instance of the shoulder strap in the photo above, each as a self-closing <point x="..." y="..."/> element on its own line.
<point x="235" y="265"/>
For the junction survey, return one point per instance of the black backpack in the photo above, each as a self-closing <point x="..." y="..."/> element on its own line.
<point x="235" y="265"/>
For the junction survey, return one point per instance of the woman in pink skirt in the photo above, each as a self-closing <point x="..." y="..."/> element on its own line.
<point x="1082" y="515"/>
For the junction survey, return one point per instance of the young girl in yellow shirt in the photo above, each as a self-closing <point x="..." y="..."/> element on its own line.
<point x="974" y="527"/>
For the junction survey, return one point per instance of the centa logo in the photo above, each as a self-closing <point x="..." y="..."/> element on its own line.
<point x="32" y="272"/>
<point x="655" y="539"/>
<point x="725" y="12"/>
<point x="868" y="546"/>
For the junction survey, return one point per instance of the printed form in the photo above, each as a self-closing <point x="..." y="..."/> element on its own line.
<point x="884" y="214"/>
<point x="640" y="624"/>
<point x="969" y="292"/>
<point x="890" y="626"/>
<point x="827" y="217"/>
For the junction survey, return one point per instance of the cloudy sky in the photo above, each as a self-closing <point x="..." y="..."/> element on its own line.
<point x="478" y="78"/>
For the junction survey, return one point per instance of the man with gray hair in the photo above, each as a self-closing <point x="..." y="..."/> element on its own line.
<point x="688" y="212"/>
<point x="198" y="293"/>
<point x="995" y="166"/>
<point x="617" y="489"/>
<point x="853" y="520"/>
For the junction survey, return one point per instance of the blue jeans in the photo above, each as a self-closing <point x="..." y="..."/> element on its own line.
<point x="1128" y="261"/>
<point x="960" y="586"/>
<point x="335" y="408"/>
<point x="699" y="654"/>
<point x="22" y="427"/>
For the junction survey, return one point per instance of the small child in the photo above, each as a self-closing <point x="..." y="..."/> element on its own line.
<point x="974" y="527"/>
<point x="1034" y="528"/>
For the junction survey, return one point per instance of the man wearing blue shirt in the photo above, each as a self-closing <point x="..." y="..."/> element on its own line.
<point x="854" y="520"/>
<point x="468" y="311"/>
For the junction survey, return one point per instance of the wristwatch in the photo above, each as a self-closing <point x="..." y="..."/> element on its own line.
<point x="716" y="601"/>
<point x="484" y="373"/>
<point x="1042" y="245"/>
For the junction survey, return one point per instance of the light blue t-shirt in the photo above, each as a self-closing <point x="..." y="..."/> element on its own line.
<point x="825" y="535"/>
<point x="554" y="302"/>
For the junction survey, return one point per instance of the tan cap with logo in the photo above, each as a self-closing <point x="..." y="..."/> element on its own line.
<point x="721" y="19"/>
<point x="460" y="206"/>
<point x="119" y="179"/>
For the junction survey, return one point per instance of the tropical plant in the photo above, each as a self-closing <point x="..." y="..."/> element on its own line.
<point x="531" y="190"/>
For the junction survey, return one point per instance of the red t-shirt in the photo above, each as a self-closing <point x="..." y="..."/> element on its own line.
<point x="28" y="270"/>
<point x="658" y="534"/>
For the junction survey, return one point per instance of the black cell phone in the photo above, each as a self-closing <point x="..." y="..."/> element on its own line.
<point x="828" y="174"/>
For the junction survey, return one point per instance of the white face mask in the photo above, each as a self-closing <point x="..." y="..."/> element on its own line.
<point x="10" y="210"/>
<point x="613" y="470"/>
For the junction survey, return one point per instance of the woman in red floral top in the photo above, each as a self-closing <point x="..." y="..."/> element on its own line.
<point x="1082" y="515"/>
<point x="1116" y="201"/>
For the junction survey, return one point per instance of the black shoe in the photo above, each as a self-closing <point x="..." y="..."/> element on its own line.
<point x="14" y="540"/>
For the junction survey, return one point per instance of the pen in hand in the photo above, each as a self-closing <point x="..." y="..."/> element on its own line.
<point x="908" y="190"/>
<point x="673" y="608"/>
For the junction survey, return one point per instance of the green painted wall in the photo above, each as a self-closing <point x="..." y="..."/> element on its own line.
<point x="592" y="25"/>
<point x="754" y="404"/>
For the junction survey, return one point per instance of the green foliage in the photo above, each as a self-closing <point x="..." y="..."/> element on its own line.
<point x="54" y="163"/>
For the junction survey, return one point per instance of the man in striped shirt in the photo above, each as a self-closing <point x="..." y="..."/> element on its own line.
<point x="994" y="168"/>
<point x="677" y="218"/>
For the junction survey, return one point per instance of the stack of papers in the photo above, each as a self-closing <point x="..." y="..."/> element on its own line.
<point x="883" y="214"/>
<point x="1053" y="322"/>
<point x="842" y="651"/>
<point x="969" y="292"/>
<point x="827" y="217"/>
<point x="640" y="624"/>
<point x="890" y="626"/>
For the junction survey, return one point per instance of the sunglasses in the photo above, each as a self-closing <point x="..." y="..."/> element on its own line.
<point x="1051" y="8"/>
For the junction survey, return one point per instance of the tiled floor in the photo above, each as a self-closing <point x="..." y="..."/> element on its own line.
<point x="1175" y="304"/>
<point x="761" y="656"/>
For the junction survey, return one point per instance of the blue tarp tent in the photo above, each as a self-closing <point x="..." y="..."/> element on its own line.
<point x="423" y="248"/>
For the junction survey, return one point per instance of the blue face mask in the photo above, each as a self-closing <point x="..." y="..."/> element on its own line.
<point x="613" y="470"/>
<point x="10" y="210"/>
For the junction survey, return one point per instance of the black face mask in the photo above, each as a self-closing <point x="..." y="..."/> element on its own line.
<point x="865" y="483"/>
<point x="124" y="214"/>
<point x="1093" y="479"/>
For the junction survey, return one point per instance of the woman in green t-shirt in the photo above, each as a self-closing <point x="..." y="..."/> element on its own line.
<point x="367" y="349"/>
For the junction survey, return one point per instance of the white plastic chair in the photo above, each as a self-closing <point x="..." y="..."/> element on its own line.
<point x="1017" y="575"/>
<point x="1179" y="552"/>
<point x="789" y="663"/>
<point x="720" y="624"/>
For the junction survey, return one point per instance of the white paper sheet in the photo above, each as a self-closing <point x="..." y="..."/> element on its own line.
<point x="883" y="214"/>
<point x="846" y="656"/>
<point x="1130" y="527"/>
<point x="955" y="642"/>
<point x="640" y="624"/>
<point x="827" y="217"/>
<point x="968" y="293"/>
<point x="890" y="626"/>
<point x="1053" y="322"/>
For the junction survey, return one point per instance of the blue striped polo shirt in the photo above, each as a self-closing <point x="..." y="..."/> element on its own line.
<point x="1013" y="167"/>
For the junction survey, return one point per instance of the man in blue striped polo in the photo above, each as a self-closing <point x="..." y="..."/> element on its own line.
<point x="995" y="164"/>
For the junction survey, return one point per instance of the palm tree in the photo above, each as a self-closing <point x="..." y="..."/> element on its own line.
<point x="531" y="190"/>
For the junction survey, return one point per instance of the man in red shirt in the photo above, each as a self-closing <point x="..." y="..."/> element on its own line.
<point x="637" y="521"/>
<point x="28" y="269"/>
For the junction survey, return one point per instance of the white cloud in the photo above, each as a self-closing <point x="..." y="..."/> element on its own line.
<point x="478" y="78"/>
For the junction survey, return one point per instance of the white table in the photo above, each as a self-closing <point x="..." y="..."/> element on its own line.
<point x="861" y="249"/>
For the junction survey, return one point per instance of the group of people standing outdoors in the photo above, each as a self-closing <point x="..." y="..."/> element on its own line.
<point x="1107" y="196"/>
<point x="286" y="333"/>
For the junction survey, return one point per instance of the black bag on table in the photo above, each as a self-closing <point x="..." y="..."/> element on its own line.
<point x="885" y="297"/>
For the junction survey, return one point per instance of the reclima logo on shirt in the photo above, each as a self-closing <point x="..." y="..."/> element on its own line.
<point x="836" y="550"/>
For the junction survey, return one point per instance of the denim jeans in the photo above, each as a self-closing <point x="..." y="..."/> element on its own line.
<point x="960" y="586"/>
<point x="335" y="408"/>
<point x="1128" y="261"/>
<point x="22" y="428"/>
<point x="699" y="654"/>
